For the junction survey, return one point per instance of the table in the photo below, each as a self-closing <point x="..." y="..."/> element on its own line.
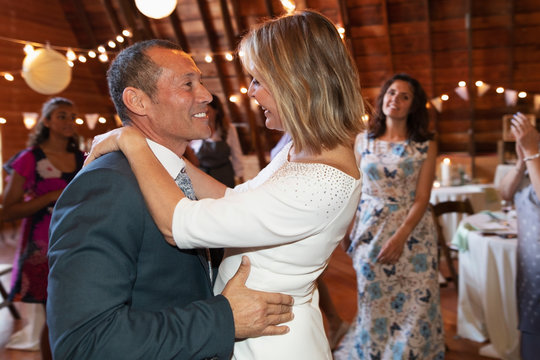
<point x="481" y="196"/>
<point x="487" y="305"/>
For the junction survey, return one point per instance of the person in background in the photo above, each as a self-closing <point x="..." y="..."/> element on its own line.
<point x="293" y="214"/>
<point x="117" y="290"/>
<point x="220" y="156"/>
<point x="38" y="175"/>
<point x="522" y="186"/>
<point x="393" y="240"/>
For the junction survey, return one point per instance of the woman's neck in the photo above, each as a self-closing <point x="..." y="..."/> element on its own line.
<point x="55" y="144"/>
<point x="396" y="130"/>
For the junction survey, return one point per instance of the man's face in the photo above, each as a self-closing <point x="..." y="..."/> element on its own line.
<point x="178" y="112"/>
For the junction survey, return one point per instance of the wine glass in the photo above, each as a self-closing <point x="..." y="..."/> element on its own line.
<point x="506" y="207"/>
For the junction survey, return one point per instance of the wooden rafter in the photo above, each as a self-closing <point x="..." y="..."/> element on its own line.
<point x="431" y="60"/>
<point x="470" y="87"/>
<point x="232" y="40"/>
<point x="388" y="35"/>
<point x="212" y="40"/>
<point x="269" y="8"/>
<point x="114" y="21"/>
<point x="344" y="14"/>
<point x="127" y="11"/>
<point x="179" y="34"/>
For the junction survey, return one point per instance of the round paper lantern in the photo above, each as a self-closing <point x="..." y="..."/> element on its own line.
<point x="156" y="9"/>
<point x="46" y="71"/>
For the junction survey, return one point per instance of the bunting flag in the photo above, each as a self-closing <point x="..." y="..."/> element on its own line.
<point x="536" y="102"/>
<point x="437" y="102"/>
<point x="462" y="92"/>
<point x="481" y="90"/>
<point x="511" y="97"/>
<point x="91" y="120"/>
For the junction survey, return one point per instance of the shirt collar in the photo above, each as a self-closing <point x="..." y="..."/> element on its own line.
<point x="170" y="161"/>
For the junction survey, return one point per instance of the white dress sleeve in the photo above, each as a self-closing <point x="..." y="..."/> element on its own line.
<point x="282" y="210"/>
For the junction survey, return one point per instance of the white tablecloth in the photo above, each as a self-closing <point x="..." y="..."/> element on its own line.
<point x="482" y="197"/>
<point x="487" y="307"/>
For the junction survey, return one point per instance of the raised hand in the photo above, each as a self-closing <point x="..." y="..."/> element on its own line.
<point x="527" y="137"/>
<point x="256" y="313"/>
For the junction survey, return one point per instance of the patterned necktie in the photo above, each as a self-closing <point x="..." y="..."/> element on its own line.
<point x="184" y="183"/>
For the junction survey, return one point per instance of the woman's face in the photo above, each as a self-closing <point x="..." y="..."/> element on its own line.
<point x="397" y="100"/>
<point x="62" y="121"/>
<point x="258" y="91"/>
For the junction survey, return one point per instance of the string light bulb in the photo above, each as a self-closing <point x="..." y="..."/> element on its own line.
<point x="102" y="120"/>
<point x="3" y="120"/>
<point x="233" y="98"/>
<point x="462" y="84"/>
<point x="243" y="90"/>
<point x="101" y="49"/>
<point x="70" y="55"/>
<point x="479" y="83"/>
<point x="28" y="49"/>
<point x="120" y="39"/>
<point x="82" y="58"/>
<point x="103" y="57"/>
<point x="92" y="54"/>
<point x="8" y="77"/>
<point x="127" y="33"/>
<point x="70" y="63"/>
<point x="522" y="94"/>
<point x="500" y="90"/>
<point x="288" y="5"/>
<point x="208" y="58"/>
<point x="444" y="97"/>
<point x="79" y="121"/>
<point x="111" y="44"/>
<point x="229" y="57"/>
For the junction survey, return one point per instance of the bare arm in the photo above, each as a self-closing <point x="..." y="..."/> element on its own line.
<point x="204" y="185"/>
<point x="392" y="250"/>
<point x="14" y="206"/>
<point x="513" y="177"/>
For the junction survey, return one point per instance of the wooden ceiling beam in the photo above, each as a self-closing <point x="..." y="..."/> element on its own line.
<point x="470" y="85"/>
<point x="269" y="8"/>
<point x="427" y="12"/>
<point x="143" y="19"/>
<point x="127" y="11"/>
<point x="179" y="34"/>
<point x="344" y="14"/>
<point x="115" y="22"/>
<point x="388" y="35"/>
<point x="212" y="40"/>
<point x="233" y="40"/>
<point x="88" y="42"/>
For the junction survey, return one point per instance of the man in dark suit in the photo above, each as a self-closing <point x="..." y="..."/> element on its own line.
<point x="116" y="289"/>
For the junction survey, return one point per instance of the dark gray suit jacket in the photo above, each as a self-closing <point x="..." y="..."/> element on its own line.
<point x="116" y="289"/>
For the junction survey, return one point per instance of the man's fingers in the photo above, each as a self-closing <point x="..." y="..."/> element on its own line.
<point x="275" y="330"/>
<point x="243" y="271"/>
<point x="276" y="298"/>
<point x="279" y="309"/>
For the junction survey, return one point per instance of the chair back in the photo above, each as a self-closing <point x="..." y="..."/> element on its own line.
<point x="447" y="207"/>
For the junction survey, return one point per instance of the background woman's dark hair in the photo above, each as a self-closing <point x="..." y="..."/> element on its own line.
<point x="41" y="132"/>
<point x="417" y="119"/>
<point x="221" y="122"/>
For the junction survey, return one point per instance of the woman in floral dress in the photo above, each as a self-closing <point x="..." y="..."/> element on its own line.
<point x="393" y="242"/>
<point x="38" y="176"/>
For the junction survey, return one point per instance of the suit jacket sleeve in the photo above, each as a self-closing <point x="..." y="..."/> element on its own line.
<point x="95" y="243"/>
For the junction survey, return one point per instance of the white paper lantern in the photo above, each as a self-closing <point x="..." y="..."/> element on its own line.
<point x="46" y="71"/>
<point x="156" y="9"/>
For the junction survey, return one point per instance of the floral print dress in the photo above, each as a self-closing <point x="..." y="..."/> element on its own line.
<point x="398" y="305"/>
<point x="30" y="270"/>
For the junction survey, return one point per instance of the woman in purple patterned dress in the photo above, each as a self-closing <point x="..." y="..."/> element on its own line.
<point x="38" y="176"/>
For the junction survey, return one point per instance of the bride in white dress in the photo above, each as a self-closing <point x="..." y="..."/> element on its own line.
<point x="291" y="216"/>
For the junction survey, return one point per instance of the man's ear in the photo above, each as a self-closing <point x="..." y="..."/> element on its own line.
<point x="134" y="100"/>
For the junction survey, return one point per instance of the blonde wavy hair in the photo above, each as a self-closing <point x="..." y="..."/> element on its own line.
<point x="311" y="75"/>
